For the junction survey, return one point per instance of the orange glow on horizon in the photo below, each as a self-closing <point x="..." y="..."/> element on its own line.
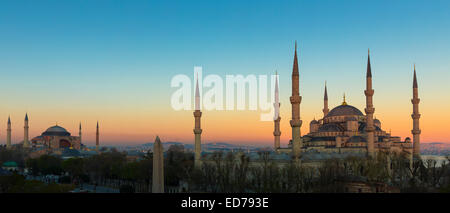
<point x="139" y="124"/>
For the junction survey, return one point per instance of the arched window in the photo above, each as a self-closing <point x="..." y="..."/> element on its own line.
<point x="63" y="143"/>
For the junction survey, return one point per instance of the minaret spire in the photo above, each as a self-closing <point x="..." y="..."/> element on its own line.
<point x="79" y="133"/>
<point x="276" y="99"/>
<point x="415" y="78"/>
<point x="8" y="134"/>
<point x="296" y="99"/>
<point x="325" y="101"/>
<point x="197" y="127"/>
<point x="295" y="66"/>
<point x="276" y="118"/>
<point x="197" y="95"/>
<point x="369" y="69"/>
<point x="416" y="116"/>
<point x="26" y="143"/>
<point x="97" y="138"/>
<point x="369" y="110"/>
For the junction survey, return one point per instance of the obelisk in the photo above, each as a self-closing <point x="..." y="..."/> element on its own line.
<point x="158" y="167"/>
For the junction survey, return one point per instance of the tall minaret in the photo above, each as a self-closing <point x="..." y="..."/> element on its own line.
<point x="276" y="118"/>
<point x="97" y="139"/>
<point x="79" y="133"/>
<point x="369" y="110"/>
<point x="26" y="143"/>
<point x="197" y="128"/>
<point x="158" y="167"/>
<point x="296" y="123"/>
<point x="8" y="134"/>
<point x="325" y="102"/>
<point x="415" y="116"/>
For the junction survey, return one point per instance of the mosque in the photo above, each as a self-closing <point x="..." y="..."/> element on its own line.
<point x="345" y="129"/>
<point x="342" y="131"/>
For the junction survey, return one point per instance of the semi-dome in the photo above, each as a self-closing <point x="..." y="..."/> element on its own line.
<point x="56" y="131"/>
<point x="344" y="110"/>
<point x="376" y="121"/>
<point x="314" y="122"/>
<point x="362" y="127"/>
<point x="331" y="127"/>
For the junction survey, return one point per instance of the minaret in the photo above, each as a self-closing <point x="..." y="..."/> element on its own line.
<point x="8" y="134"/>
<point x="97" y="139"/>
<point x="158" y="167"/>
<point x="415" y="116"/>
<point x="296" y="123"/>
<point x="325" y="102"/>
<point x="276" y="118"/>
<point x="79" y="132"/>
<point x="197" y="128"/>
<point x="369" y="110"/>
<point x="26" y="143"/>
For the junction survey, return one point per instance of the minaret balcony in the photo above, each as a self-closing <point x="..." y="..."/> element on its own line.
<point x="295" y="99"/>
<point x="296" y="123"/>
<point x="369" y="110"/>
<point x="416" y="131"/>
<point x="197" y="113"/>
<point x="369" y="92"/>
<point x="415" y="116"/>
<point x="415" y="100"/>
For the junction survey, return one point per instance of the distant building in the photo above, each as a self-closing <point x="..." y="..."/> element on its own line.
<point x="56" y="137"/>
<point x="10" y="166"/>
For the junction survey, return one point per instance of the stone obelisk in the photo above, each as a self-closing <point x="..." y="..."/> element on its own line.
<point x="295" y="99"/>
<point x="197" y="128"/>
<point x="369" y="110"/>
<point x="158" y="167"/>
<point x="276" y="118"/>
<point x="8" y="134"/>
<point x="416" y="116"/>
<point x="26" y="143"/>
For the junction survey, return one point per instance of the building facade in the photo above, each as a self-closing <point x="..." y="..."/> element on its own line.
<point x="345" y="129"/>
<point x="56" y="137"/>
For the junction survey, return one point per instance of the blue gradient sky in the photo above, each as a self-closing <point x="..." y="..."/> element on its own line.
<point x="72" y="61"/>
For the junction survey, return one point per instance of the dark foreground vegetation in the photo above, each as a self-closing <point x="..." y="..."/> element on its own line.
<point x="226" y="172"/>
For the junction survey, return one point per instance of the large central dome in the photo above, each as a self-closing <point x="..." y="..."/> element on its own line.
<point x="344" y="110"/>
<point x="56" y="131"/>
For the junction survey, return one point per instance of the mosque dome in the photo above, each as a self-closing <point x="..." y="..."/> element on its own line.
<point x="56" y="131"/>
<point x="344" y="110"/>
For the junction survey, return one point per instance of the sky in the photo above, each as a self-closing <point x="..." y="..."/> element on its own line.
<point x="68" y="62"/>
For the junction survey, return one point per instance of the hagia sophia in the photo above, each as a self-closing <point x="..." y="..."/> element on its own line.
<point x="55" y="138"/>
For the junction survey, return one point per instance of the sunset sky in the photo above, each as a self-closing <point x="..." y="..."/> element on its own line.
<point x="113" y="61"/>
